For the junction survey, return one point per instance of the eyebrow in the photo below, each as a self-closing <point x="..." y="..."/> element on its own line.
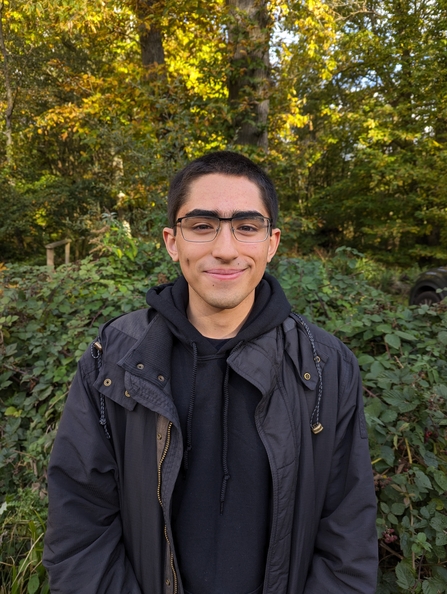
<point x="198" y="212"/>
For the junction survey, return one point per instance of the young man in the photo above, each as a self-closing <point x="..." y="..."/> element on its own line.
<point x="214" y="443"/>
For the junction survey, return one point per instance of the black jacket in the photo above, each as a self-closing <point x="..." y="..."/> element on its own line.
<point x="110" y="486"/>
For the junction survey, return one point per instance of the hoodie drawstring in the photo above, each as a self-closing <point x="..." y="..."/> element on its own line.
<point x="226" y="402"/>
<point x="192" y="399"/>
<point x="225" y="432"/>
<point x="226" y="475"/>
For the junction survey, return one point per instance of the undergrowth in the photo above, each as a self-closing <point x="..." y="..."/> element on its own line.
<point x="48" y="320"/>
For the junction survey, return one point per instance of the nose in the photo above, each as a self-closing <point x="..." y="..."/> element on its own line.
<point x="225" y="245"/>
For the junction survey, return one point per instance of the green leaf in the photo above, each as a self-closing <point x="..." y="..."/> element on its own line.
<point x="441" y="390"/>
<point x="441" y="539"/>
<point x="434" y="585"/>
<point x="11" y="411"/>
<point x="384" y="328"/>
<point x="33" y="584"/>
<point x="376" y="370"/>
<point x="365" y="359"/>
<point x="392" y="519"/>
<point x="389" y="415"/>
<point x="405" y="576"/>
<point x="441" y="573"/>
<point x="405" y="335"/>
<point x="422" y="480"/>
<point x="439" y="522"/>
<point x="440" y="479"/>
<point x="430" y="459"/>
<point x="393" y="340"/>
<point x="398" y="508"/>
<point x="387" y="454"/>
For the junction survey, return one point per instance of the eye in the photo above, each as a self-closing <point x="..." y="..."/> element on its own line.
<point x="248" y="226"/>
<point x="200" y="225"/>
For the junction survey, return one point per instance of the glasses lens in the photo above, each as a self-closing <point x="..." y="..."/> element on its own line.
<point x="247" y="230"/>
<point x="251" y="230"/>
<point x="199" y="228"/>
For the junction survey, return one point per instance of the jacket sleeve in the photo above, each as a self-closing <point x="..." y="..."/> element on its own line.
<point x="84" y="551"/>
<point x="345" y="559"/>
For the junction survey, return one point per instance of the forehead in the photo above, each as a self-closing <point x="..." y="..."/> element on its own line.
<point x="224" y="194"/>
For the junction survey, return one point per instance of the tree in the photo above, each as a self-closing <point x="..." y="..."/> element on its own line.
<point x="8" y="86"/>
<point x="121" y="94"/>
<point x="249" y="29"/>
<point x="373" y="154"/>
<point x="151" y="44"/>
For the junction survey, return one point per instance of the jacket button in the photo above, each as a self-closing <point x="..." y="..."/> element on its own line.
<point x="126" y="393"/>
<point x="317" y="359"/>
<point x="161" y="378"/>
<point x="140" y="366"/>
<point x="107" y="382"/>
<point x="307" y="376"/>
<point x="168" y="582"/>
<point x="159" y="436"/>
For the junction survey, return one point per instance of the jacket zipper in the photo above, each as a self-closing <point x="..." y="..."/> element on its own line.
<point x="163" y="457"/>
<point x="174" y="573"/>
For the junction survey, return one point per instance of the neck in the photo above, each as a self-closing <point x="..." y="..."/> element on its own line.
<point x="219" y="323"/>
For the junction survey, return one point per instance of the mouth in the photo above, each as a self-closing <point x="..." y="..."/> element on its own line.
<point x="225" y="274"/>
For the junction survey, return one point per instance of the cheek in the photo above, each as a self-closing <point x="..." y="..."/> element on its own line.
<point x="189" y="258"/>
<point x="262" y="258"/>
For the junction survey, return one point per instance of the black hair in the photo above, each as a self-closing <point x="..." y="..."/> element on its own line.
<point x="226" y="163"/>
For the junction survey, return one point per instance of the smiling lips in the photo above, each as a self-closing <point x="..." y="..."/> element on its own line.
<point x="225" y="273"/>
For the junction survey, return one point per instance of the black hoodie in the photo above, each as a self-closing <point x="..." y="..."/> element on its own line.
<point x="221" y="502"/>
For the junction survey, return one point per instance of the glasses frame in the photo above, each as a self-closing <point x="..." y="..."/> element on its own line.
<point x="230" y="220"/>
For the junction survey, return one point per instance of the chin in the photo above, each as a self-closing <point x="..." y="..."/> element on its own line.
<point x="226" y="302"/>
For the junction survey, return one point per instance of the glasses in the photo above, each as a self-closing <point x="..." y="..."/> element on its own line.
<point x="205" y="228"/>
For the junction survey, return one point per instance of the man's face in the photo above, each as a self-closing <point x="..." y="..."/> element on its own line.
<point x="223" y="273"/>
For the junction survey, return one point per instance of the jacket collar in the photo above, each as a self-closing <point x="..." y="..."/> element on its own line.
<point x="257" y="361"/>
<point x="150" y="356"/>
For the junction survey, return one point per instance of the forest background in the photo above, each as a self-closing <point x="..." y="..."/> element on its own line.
<point x="343" y="103"/>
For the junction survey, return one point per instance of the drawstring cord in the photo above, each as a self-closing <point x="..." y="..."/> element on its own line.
<point x="97" y="356"/>
<point x="192" y="398"/>
<point x="315" y="424"/>
<point x="226" y="403"/>
<point x="226" y="475"/>
<point x="225" y="431"/>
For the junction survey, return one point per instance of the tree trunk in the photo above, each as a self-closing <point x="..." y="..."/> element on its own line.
<point x="248" y="84"/>
<point x="151" y="43"/>
<point x="9" y="93"/>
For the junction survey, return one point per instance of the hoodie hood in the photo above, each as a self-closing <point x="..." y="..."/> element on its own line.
<point x="270" y="309"/>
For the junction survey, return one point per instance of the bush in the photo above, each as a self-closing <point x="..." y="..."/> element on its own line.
<point x="402" y="354"/>
<point x="49" y="319"/>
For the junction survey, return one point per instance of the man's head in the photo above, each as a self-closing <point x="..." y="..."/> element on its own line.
<point x="221" y="234"/>
<point x="225" y="163"/>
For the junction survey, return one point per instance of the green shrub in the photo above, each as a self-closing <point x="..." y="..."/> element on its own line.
<point x="402" y="353"/>
<point x="48" y="320"/>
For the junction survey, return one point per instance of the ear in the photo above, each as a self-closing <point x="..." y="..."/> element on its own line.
<point x="273" y="243"/>
<point x="171" y="243"/>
